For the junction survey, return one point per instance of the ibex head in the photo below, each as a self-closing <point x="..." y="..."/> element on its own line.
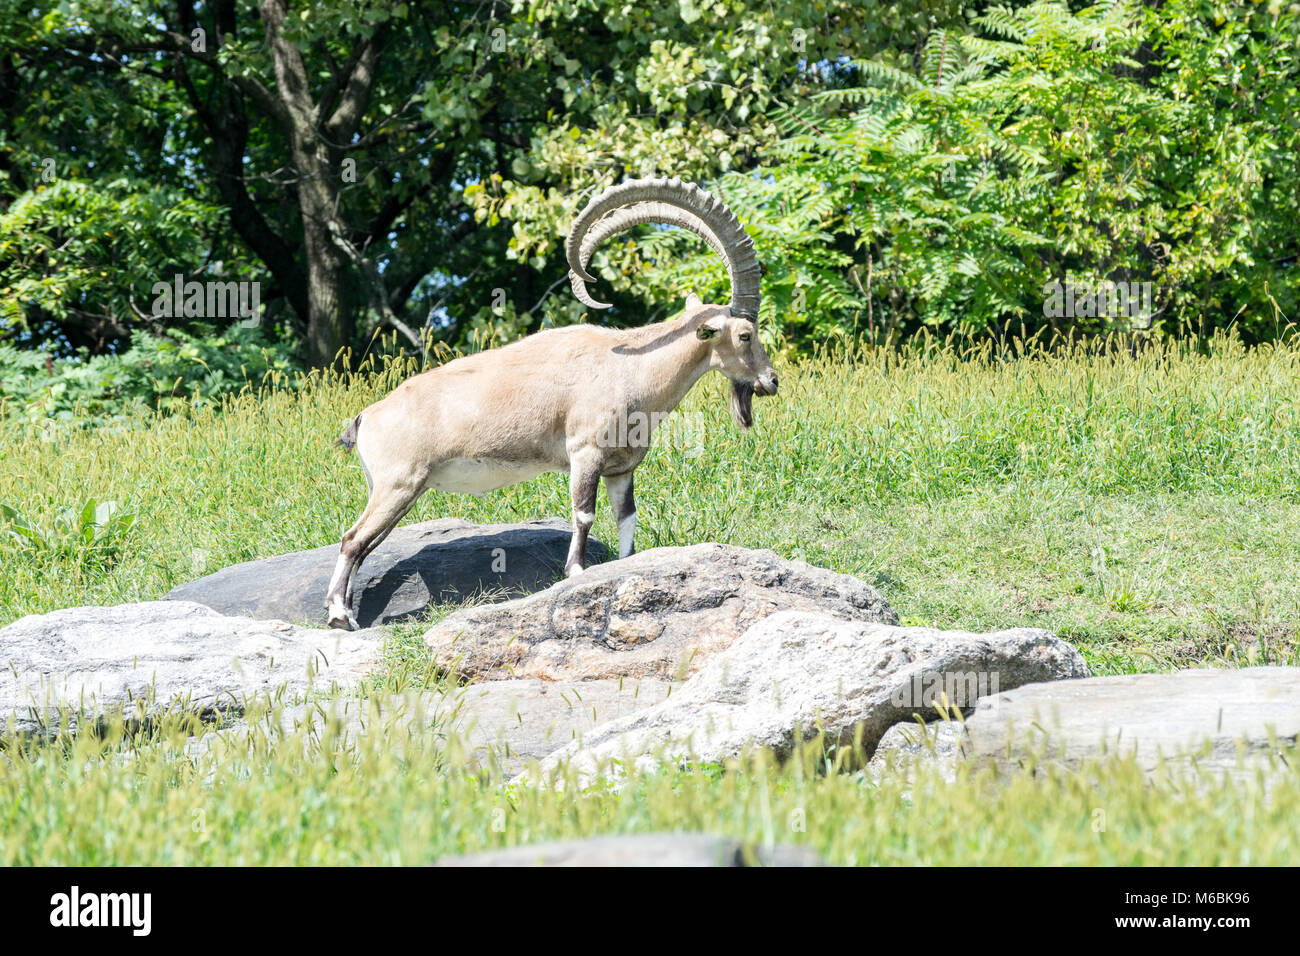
<point x="736" y="352"/>
<point x="731" y="330"/>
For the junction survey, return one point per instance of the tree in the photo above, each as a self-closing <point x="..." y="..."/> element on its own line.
<point x="403" y="165"/>
<point x="1149" y="149"/>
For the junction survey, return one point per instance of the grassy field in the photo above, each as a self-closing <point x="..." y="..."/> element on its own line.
<point x="304" y="799"/>
<point x="1145" y="508"/>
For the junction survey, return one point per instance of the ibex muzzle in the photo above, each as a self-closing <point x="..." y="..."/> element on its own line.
<point x="547" y="402"/>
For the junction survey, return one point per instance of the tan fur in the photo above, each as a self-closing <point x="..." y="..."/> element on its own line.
<point x="541" y="404"/>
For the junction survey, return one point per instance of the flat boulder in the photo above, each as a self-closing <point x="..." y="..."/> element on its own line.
<point x="661" y="614"/>
<point x="507" y="723"/>
<point x="937" y="743"/>
<point x="1210" y="718"/>
<point x="436" y="562"/>
<point x="797" y="673"/>
<point x="646" y="849"/>
<point x="498" y="725"/>
<point x="90" y="662"/>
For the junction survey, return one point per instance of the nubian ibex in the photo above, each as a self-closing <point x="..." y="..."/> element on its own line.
<point x="547" y="402"/>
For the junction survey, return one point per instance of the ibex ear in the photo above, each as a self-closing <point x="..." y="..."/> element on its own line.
<point x="707" y="331"/>
<point x="692" y="300"/>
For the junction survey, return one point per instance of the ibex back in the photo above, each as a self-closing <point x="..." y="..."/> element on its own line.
<point x="547" y="402"/>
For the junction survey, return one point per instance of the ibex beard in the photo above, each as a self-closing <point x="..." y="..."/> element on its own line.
<point x="546" y="402"/>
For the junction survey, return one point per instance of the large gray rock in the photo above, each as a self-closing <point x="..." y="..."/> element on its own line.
<point x="937" y="743"/>
<point x="1206" y="717"/>
<point x="436" y="562"/>
<point x="795" y="672"/>
<point x="658" y="614"/>
<point x="650" y="849"/>
<point x="508" y="723"/>
<point x="499" y="725"/>
<point x="394" y="721"/>
<point x="93" y="661"/>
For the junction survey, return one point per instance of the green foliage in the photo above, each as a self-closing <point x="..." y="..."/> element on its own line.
<point x="1117" y="143"/>
<point x="90" y="537"/>
<point x="169" y="373"/>
<point x="101" y="193"/>
<point x="485" y="127"/>
<point x="929" y="166"/>
<point x="74" y="252"/>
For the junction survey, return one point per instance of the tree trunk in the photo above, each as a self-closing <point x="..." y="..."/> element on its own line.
<point x="329" y="325"/>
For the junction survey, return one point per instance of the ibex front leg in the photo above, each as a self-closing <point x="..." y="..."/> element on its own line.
<point x="584" y="479"/>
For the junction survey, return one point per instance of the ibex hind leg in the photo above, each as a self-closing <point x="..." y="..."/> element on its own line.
<point x="387" y="506"/>
<point x="623" y="501"/>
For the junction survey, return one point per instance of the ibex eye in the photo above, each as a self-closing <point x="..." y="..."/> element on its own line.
<point x="745" y="336"/>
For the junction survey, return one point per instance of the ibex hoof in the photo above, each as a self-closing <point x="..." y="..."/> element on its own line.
<point x="573" y="571"/>
<point x="342" y="619"/>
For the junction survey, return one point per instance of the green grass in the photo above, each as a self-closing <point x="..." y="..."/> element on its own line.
<point x="1145" y="508"/>
<point x="315" y="798"/>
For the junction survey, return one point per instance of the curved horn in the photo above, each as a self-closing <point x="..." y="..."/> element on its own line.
<point x="729" y="238"/>
<point x="626" y="218"/>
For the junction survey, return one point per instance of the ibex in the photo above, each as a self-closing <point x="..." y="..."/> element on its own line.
<point x="546" y="402"/>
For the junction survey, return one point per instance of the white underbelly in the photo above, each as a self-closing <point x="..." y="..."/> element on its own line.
<point x="478" y="476"/>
